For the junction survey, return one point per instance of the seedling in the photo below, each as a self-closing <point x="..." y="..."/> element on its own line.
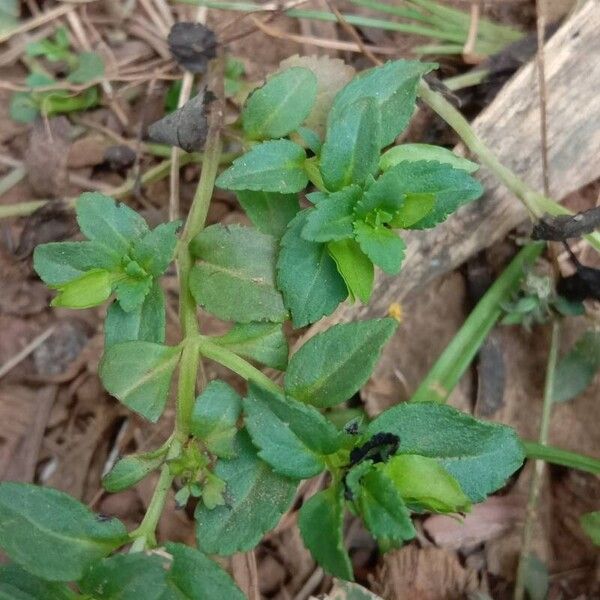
<point x="242" y="458"/>
<point x="80" y="69"/>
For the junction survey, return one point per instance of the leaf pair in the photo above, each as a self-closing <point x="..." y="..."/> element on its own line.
<point x="271" y="112"/>
<point x="190" y="574"/>
<point x="122" y="255"/>
<point x="330" y="251"/>
<point x="444" y="461"/>
<point x="357" y="224"/>
<point x="139" y="373"/>
<point x="54" y="538"/>
<point x="52" y="535"/>
<point x="292" y="436"/>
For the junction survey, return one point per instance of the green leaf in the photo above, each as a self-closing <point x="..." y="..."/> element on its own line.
<point x="321" y="520"/>
<point x="90" y="289"/>
<point x="275" y="166"/>
<point x="590" y="522"/>
<point x="212" y="491"/>
<point x="417" y="152"/>
<point x="50" y="50"/>
<point x="23" y="108"/>
<point x="332" y="218"/>
<point x="17" y="584"/>
<point x="577" y="369"/>
<point x="263" y="342"/>
<point x="139" y="375"/>
<point x="36" y="79"/>
<point x="269" y="212"/>
<point x="130" y="470"/>
<point x="281" y="105"/>
<point x="52" y="535"/>
<point x="63" y="101"/>
<point x="350" y="152"/>
<point x="109" y="223"/>
<point x="195" y="576"/>
<point x="59" y="262"/>
<point x="214" y="418"/>
<point x="422" y="481"/>
<point x="332" y="74"/>
<point x="355" y="267"/>
<point x="481" y="456"/>
<point x="414" y="208"/>
<point x="310" y="139"/>
<point x="146" y="323"/>
<point x="235" y="276"/>
<point x="256" y="498"/>
<point x="334" y="364"/>
<point x="90" y="66"/>
<point x="381" y="245"/>
<point x="190" y="576"/>
<point x="383" y="510"/>
<point x="293" y="437"/>
<point x="125" y="576"/>
<point x="307" y="276"/>
<point x="132" y="291"/>
<point x="452" y="188"/>
<point x="155" y="250"/>
<point x="393" y="86"/>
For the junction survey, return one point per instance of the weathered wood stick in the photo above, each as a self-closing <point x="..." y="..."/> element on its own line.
<point x="510" y="126"/>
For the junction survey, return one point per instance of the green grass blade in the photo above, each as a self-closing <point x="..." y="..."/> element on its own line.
<point x="565" y="458"/>
<point x="455" y="359"/>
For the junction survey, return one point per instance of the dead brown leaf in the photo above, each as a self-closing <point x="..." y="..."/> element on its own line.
<point x="47" y="156"/>
<point x="424" y="573"/>
<point x="485" y="522"/>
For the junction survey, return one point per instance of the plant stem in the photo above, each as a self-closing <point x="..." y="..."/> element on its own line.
<point x="469" y="79"/>
<point x="564" y="458"/>
<point x="190" y="361"/>
<point x="144" y="535"/>
<point x="536" y="203"/>
<point x="235" y="363"/>
<point x="538" y="472"/>
<point x="457" y="356"/>
<point x="186" y="386"/>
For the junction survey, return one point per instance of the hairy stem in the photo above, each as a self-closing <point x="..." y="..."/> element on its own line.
<point x="145" y="536"/>
<point x="538" y="472"/>
<point x="536" y="203"/>
<point x="190" y="361"/>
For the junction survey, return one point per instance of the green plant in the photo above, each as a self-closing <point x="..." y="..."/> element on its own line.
<point x="46" y="96"/>
<point x="242" y="458"/>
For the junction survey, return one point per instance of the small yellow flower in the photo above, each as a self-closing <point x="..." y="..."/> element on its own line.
<point x="395" y="311"/>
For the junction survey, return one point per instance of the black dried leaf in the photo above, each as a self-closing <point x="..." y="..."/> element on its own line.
<point x="186" y="127"/>
<point x="563" y="227"/>
<point x="584" y="284"/>
<point x="378" y="449"/>
<point x="192" y="45"/>
<point x="119" y="157"/>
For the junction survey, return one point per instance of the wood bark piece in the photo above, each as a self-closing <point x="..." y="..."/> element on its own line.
<point x="510" y="125"/>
